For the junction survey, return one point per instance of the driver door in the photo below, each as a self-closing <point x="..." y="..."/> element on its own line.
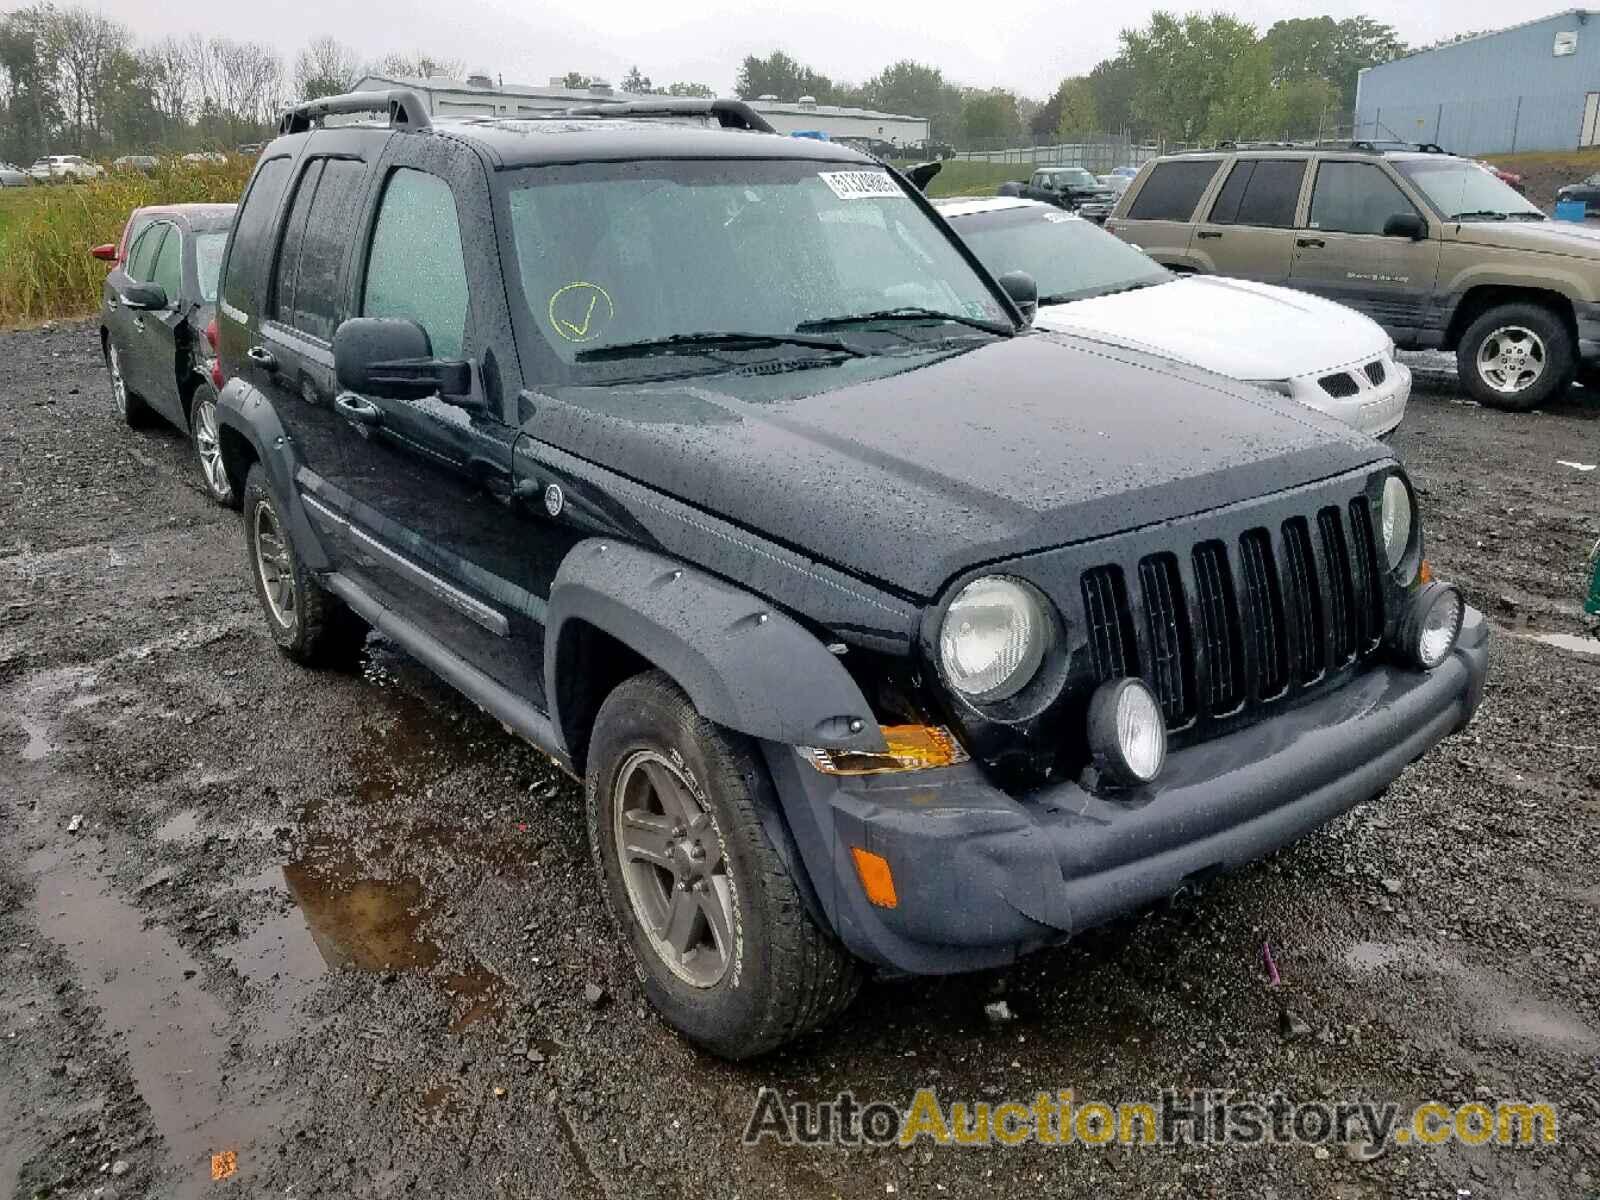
<point x="1342" y="253"/>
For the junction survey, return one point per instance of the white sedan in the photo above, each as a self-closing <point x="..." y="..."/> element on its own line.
<point x="1091" y="283"/>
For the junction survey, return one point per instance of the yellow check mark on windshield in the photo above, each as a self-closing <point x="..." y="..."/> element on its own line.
<point x="579" y="331"/>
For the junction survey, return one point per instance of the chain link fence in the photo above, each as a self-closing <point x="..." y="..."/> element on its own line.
<point x="1099" y="153"/>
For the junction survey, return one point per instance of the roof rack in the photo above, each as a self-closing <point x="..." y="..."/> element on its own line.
<point x="405" y="110"/>
<point x="1380" y="146"/>
<point x="730" y="114"/>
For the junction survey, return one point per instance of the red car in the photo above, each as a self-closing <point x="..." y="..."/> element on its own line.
<point x="115" y="252"/>
<point x="1504" y="176"/>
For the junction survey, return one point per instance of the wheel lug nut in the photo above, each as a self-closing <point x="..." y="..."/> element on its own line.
<point x="697" y="852"/>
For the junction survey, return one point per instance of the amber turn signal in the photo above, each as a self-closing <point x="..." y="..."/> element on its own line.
<point x="909" y="748"/>
<point x="876" y="878"/>
<point x="1425" y="572"/>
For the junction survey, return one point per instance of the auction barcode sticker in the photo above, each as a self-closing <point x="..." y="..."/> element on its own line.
<point x="861" y="185"/>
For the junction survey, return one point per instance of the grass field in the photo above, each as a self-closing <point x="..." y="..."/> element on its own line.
<point x="46" y="233"/>
<point x="959" y="178"/>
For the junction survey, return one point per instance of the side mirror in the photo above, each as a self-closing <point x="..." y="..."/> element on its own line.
<point x="922" y="174"/>
<point x="106" y="253"/>
<point x="144" y="296"/>
<point x="392" y="358"/>
<point x="1024" y="292"/>
<point x="1406" y="225"/>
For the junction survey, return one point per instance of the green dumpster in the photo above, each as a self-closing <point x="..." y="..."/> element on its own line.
<point x="1593" y="603"/>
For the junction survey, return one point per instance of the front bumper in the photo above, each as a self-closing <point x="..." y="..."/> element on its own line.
<point x="983" y="877"/>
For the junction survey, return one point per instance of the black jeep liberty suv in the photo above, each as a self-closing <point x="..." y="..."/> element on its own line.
<point x="883" y="632"/>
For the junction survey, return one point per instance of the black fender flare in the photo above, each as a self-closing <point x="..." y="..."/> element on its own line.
<point x="244" y="413"/>
<point x="745" y="665"/>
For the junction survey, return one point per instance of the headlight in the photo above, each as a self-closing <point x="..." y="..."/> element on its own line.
<point x="1396" y="521"/>
<point x="1127" y="733"/>
<point x="993" y="639"/>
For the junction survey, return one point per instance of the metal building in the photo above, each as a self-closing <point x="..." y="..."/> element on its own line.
<point x="1534" y="86"/>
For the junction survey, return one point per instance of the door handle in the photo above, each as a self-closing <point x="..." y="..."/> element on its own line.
<point x="358" y="411"/>
<point x="262" y="357"/>
<point x="1208" y="233"/>
<point x="138" y="323"/>
<point x="1310" y="243"/>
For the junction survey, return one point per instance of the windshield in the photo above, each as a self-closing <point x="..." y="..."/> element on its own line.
<point x="1070" y="258"/>
<point x="208" y="248"/>
<point x="1072" y="177"/>
<point x="1456" y="187"/>
<point x="613" y="254"/>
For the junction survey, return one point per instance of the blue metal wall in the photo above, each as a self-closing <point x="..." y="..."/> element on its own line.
<point x="1490" y="95"/>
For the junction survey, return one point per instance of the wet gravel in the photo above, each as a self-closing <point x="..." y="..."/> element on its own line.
<point x="344" y="927"/>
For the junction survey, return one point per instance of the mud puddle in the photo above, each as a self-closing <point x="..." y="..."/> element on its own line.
<point x="147" y="988"/>
<point x="1571" y="642"/>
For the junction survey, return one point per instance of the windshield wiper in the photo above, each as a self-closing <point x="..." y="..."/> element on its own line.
<point x="909" y="312"/>
<point x="1491" y="214"/>
<point x="690" y="343"/>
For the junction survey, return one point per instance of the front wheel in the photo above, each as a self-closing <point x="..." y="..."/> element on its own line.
<point x="204" y="438"/>
<point x="721" y="938"/>
<point x="1516" y="357"/>
<point x="130" y="408"/>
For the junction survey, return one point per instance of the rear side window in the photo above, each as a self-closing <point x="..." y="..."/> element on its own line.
<point x="1172" y="190"/>
<point x="416" y="268"/>
<point x="334" y="212"/>
<point x="252" y="235"/>
<point x="1264" y="192"/>
<point x="280" y="304"/>
<point x="1355" y="197"/>
<point x="169" y="264"/>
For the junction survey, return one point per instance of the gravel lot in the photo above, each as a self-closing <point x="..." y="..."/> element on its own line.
<point x="344" y="926"/>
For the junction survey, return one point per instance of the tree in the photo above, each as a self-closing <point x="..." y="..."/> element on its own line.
<point x="574" y="79"/>
<point x="636" y="83"/>
<point x="169" y="72"/>
<point x="326" y="67"/>
<point x="1070" y="112"/>
<point x="781" y="76"/>
<point x="1310" y="48"/>
<point x="1113" y="83"/>
<point x="419" y="65"/>
<point x="1181" y="68"/>
<point x="28" y="63"/>
<point x="698" y="90"/>
<point x="989" y="116"/>
<point x="86" y="45"/>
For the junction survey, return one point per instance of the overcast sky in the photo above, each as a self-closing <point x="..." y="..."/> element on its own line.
<point x="1027" y="45"/>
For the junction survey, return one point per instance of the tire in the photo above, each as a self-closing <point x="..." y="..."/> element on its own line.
<point x="132" y="410"/>
<point x="309" y="623"/>
<point x="1515" y="357"/>
<point x="203" y="440"/>
<point x="771" y="974"/>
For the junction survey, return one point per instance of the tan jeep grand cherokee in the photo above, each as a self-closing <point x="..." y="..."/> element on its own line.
<point x="1432" y="247"/>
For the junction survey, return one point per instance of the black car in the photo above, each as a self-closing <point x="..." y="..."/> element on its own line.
<point x="1071" y="188"/>
<point x="1587" y="190"/>
<point x="883" y="633"/>
<point x="156" y="324"/>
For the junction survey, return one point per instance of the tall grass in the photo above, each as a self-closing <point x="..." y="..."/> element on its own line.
<point x="959" y="177"/>
<point x="46" y="232"/>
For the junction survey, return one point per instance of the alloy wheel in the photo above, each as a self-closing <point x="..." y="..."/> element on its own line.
<point x="119" y="387"/>
<point x="275" y="567"/>
<point x="1511" y="359"/>
<point x="209" y="448"/>
<point x="674" y="869"/>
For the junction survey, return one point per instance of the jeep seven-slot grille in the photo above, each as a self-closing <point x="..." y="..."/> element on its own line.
<point x="1166" y="614"/>
<point x="1277" y="611"/>
<point x="1111" y="641"/>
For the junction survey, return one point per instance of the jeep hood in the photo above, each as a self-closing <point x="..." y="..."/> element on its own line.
<point x="1549" y="237"/>
<point x="1231" y="326"/>
<point x="909" y="471"/>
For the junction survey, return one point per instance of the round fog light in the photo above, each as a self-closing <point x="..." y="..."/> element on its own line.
<point x="1432" y="625"/>
<point x="1127" y="733"/>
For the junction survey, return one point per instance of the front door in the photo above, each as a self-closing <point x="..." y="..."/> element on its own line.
<point x="158" y="332"/>
<point x="1342" y="253"/>
<point x="435" y="530"/>
<point x="1249" y="232"/>
<point x="128" y="326"/>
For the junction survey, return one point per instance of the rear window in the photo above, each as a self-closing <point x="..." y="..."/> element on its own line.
<point x="1173" y="190"/>
<point x="1264" y="192"/>
<point x="252" y="234"/>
